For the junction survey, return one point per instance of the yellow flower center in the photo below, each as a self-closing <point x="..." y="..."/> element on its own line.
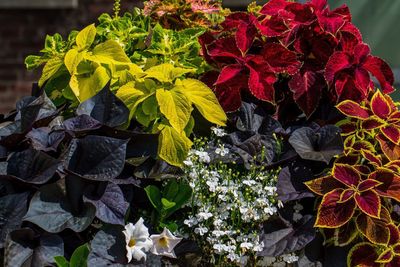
<point x="132" y="242"/>
<point x="163" y="242"/>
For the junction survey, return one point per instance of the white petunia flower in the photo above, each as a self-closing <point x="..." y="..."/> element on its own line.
<point x="137" y="240"/>
<point x="164" y="244"/>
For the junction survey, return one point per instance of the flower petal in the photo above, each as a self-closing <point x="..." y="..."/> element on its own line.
<point x="346" y="174"/>
<point x="369" y="202"/>
<point x="332" y="214"/>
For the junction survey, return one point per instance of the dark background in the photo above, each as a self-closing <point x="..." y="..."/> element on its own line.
<point x="25" y="23"/>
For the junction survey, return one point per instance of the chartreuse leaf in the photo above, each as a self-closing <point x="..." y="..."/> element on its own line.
<point x="167" y="72"/>
<point x="204" y="100"/>
<point x="85" y="37"/>
<point x="167" y="204"/>
<point x="131" y="97"/>
<point x="109" y="52"/>
<point x="174" y="146"/>
<point x="50" y="69"/>
<point x="175" y="106"/>
<point x="72" y="59"/>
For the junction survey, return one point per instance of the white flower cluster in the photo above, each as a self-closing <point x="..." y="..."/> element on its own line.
<point x="229" y="206"/>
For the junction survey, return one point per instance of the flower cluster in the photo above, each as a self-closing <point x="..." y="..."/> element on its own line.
<point x="229" y="205"/>
<point x="138" y="242"/>
<point x="317" y="52"/>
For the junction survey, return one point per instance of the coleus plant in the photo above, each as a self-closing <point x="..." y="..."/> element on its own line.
<point x="315" y="51"/>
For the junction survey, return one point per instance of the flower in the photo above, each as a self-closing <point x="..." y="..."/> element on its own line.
<point x="164" y="244"/>
<point x="137" y="240"/>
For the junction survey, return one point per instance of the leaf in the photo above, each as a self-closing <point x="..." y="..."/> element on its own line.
<point x="32" y="167"/>
<point x="166" y="204"/>
<point x="50" y="69"/>
<point x="50" y="210"/>
<point x="181" y="198"/>
<point x="289" y="239"/>
<point x="204" y="100"/>
<point x="109" y="52"/>
<point x="166" y="73"/>
<point x="72" y="59"/>
<point x="175" y="107"/>
<point x="85" y="37"/>
<point x="85" y="87"/>
<point x="111" y="206"/>
<point x="44" y="139"/>
<point x="154" y="195"/>
<point x="173" y="147"/>
<point x="13" y="209"/>
<point x="61" y="261"/>
<point x="80" y="256"/>
<point x="96" y="158"/>
<point x="19" y="249"/>
<point x="108" y="248"/>
<point x="321" y="145"/>
<point x="106" y="108"/>
<point x="131" y="97"/>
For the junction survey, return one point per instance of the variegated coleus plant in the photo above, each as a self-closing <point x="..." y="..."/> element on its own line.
<point x="359" y="193"/>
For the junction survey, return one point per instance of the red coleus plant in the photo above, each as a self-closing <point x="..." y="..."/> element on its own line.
<point x="317" y="52"/>
<point x="347" y="189"/>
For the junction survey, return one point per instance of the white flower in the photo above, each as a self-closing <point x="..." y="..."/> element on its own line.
<point x="290" y="258"/>
<point x="137" y="240"/>
<point x="201" y="230"/>
<point x="188" y="163"/>
<point x="222" y="151"/>
<point x="218" y="131"/>
<point x="192" y="221"/>
<point x="164" y="244"/>
<point x="203" y="156"/>
<point x="203" y="216"/>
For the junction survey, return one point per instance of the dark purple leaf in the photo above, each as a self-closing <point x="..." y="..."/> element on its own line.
<point x="81" y="124"/>
<point x="13" y="208"/>
<point x="109" y="201"/>
<point x="106" y="108"/>
<point x="44" y="139"/>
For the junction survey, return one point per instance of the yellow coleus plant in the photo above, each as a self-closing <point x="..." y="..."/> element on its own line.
<point x="91" y="66"/>
<point x="163" y="100"/>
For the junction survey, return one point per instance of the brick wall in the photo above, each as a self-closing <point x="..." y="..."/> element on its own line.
<point x="22" y="32"/>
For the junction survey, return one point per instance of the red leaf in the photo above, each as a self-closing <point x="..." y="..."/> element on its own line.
<point x="380" y="106"/>
<point x="386" y="256"/>
<point x="323" y="185"/>
<point x="392" y="133"/>
<point x="367" y="185"/>
<point x="307" y="90"/>
<point x="346" y="174"/>
<point x="280" y="59"/>
<point x="245" y="36"/>
<point x="375" y="230"/>
<point x="346" y="195"/>
<point x="353" y="109"/>
<point x="332" y="214"/>
<point x="371" y="123"/>
<point x="273" y="7"/>
<point x="363" y="255"/>
<point x="390" y="186"/>
<point x="369" y="202"/>
<point x="228" y="73"/>
<point x="224" y="47"/>
<point x="382" y="71"/>
<point x="337" y="62"/>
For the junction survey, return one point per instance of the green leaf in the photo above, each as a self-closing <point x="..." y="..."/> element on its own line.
<point x="173" y="146"/>
<point x="109" y="52"/>
<point x="189" y="127"/>
<point x="80" y="256"/>
<point x="181" y="198"/>
<point x="204" y="100"/>
<point x="171" y="189"/>
<point x="61" y="261"/>
<point x="72" y="60"/>
<point x="175" y="106"/>
<point x="167" y="72"/>
<point x="85" y="37"/>
<point x="32" y="62"/>
<point x="167" y="204"/>
<point x="50" y="69"/>
<point x="131" y="97"/>
<point x="172" y="226"/>
<point x="154" y="195"/>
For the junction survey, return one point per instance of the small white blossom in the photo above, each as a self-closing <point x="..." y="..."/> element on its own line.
<point x="137" y="240"/>
<point x="218" y="131"/>
<point x="203" y="156"/>
<point x="289" y="258"/>
<point x="164" y="244"/>
<point x="222" y="151"/>
<point x="201" y="230"/>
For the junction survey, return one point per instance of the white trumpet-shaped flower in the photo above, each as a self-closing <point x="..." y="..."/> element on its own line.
<point x="137" y="240"/>
<point x="164" y="244"/>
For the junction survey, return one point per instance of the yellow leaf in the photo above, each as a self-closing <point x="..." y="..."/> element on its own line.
<point x="173" y="146"/>
<point x="72" y="60"/>
<point x="175" y="107"/>
<point x="204" y="100"/>
<point x="51" y="68"/>
<point x="131" y="97"/>
<point x="84" y="87"/>
<point x="166" y="72"/>
<point x="109" y="52"/>
<point x="85" y="37"/>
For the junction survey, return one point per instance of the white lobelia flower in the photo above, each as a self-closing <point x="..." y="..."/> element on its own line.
<point x="137" y="240"/>
<point x="164" y="244"/>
